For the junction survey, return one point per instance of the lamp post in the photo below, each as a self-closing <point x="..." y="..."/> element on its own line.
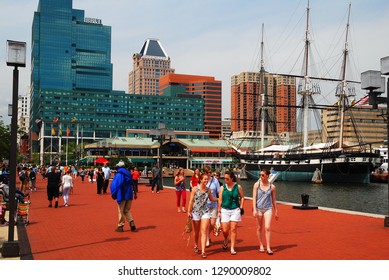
<point x="16" y="56"/>
<point x="161" y="134"/>
<point x="375" y="83"/>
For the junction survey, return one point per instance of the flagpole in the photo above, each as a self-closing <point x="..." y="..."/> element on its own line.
<point x="51" y="145"/>
<point x="67" y="139"/>
<point x="82" y="136"/>
<point x="59" y="142"/>
<point x="42" y="143"/>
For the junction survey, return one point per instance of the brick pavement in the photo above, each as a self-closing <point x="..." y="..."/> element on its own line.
<point x="85" y="231"/>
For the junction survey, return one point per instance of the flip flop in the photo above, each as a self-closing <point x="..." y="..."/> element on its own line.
<point x="269" y="252"/>
<point x="261" y="250"/>
<point x="233" y="252"/>
<point x="225" y="245"/>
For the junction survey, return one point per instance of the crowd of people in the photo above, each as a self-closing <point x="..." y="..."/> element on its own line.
<point x="212" y="204"/>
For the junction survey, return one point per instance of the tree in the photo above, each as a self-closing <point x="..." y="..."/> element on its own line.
<point x="5" y="140"/>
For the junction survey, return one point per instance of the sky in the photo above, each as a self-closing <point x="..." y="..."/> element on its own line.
<point x="220" y="38"/>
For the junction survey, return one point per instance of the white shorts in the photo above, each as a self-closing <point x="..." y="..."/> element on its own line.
<point x="228" y="215"/>
<point x="196" y="217"/>
<point x="264" y="212"/>
<point x="213" y="213"/>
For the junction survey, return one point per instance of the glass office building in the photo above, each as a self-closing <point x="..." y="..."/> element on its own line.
<point x="71" y="85"/>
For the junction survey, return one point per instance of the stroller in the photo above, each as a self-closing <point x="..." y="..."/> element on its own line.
<point x="22" y="212"/>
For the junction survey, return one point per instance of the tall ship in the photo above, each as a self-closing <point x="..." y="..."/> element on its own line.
<point x="331" y="158"/>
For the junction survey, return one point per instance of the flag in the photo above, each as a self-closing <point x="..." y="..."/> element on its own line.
<point x="60" y="132"/>
<point x="38" y="123"/>
<point x="55" y="120"/>
<point x="67" y="131"/>
<point x="364" y="100"/>
<point x="53" y="131"/>
<point x="74" y="119"/>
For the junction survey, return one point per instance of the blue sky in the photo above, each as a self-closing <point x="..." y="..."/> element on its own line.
<point x="219" y="38"/>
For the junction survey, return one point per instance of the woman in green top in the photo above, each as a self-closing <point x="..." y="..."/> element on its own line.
<point x="230" y="208"/>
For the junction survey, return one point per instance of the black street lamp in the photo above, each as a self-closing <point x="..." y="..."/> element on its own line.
<point x="375" y="83"/>
<point x="161" y="134"/>
<point x="16" y="56"/>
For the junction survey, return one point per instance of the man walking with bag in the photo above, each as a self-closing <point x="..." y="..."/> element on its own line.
<point x="122" y="191"/>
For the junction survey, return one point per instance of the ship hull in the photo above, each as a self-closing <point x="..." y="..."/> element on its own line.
<point x="342" y="168"/>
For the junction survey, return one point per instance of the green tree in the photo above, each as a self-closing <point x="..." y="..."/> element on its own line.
<point x="5" y="140"/>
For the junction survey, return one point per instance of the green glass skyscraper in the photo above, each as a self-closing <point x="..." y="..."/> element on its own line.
<point x="71" y="87"/>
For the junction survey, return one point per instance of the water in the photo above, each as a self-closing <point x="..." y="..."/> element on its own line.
<point x="367" y="198"/>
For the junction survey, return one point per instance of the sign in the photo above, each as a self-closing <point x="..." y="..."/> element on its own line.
<point x="93" y="20"/>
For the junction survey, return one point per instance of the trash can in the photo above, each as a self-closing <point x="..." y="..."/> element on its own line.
<point x="305" y="199"/>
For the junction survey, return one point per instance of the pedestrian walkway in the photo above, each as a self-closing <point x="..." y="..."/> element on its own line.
<point x="86" y="231"/>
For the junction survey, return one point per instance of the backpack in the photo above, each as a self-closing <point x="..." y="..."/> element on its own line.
<point x="32" y="175"/>
<point x="22" y="176"/>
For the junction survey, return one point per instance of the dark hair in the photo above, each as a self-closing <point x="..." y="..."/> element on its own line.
<point x="207" y="169"/>
<point x="267" y="172"/>
<point x="231" y="174"/>
<point x="179" y="171"/>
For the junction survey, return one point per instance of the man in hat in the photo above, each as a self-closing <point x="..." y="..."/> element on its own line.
<point x="122" y="191"/>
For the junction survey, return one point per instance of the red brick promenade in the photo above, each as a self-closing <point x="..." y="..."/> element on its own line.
<point x="85" y="231"/>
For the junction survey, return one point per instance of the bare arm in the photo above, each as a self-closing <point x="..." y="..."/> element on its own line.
<point x="255" y="191"/>
<point x="211" y="198"/>
<point x="273" y="196"/>
<point x="190" y="206"/>
<point x="219" y="204"/>
<point x="241" y="196"/>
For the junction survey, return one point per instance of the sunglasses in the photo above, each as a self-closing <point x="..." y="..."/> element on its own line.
<point x="263" y="175"/>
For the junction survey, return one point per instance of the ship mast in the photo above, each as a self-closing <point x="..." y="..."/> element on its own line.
<point x="262" y="94"/>
<point x="306" y="89"/>
<point x="343" y="84"/>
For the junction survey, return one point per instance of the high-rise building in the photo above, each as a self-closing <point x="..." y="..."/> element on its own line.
<point x="71" y="66"/>
<point x="361" y="124"/>
<point x="247" y="103"/>
<point x="151" y="63"/>
<point x="71" y="86"/>
<point x="23" y="112"/>
<point x="209" y="89"/>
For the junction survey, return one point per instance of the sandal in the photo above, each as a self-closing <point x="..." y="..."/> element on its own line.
<point x="261" y="250"/>
<point x="196" y="249"/>
<point x="225" y="245"/>
<point x="269" y="252"/>
<point x="233" y="252"/>
<point x="183" y="211"/>
<point x="203" y="255"/>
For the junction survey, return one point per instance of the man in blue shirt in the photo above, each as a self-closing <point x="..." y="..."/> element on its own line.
<point x="122" y="191"/>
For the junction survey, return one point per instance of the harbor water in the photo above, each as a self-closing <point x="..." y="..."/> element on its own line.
<point x="368" y="198"/>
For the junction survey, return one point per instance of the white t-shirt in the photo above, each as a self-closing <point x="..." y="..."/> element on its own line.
<point x="67" y="181"/>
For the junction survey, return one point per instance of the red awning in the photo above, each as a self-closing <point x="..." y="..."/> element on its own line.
<point x="205" y="150"/>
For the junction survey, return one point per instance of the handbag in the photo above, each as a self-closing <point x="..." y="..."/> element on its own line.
<point x="187" y="230"/>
